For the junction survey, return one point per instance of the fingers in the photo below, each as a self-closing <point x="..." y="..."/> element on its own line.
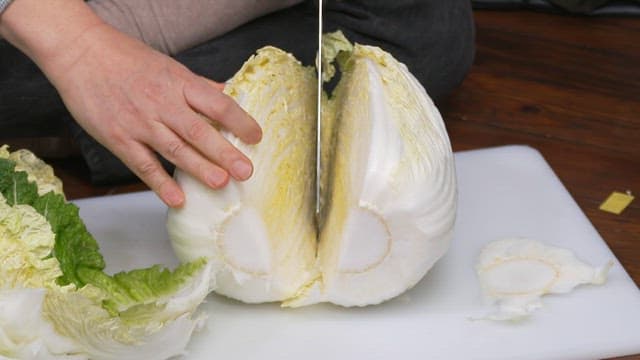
<point x="215" y="105"/>
<point x="192" y="130"/>
<point x="211" y="164"/>
<point x="191" y="143"/>
<point x="143" y="162"/>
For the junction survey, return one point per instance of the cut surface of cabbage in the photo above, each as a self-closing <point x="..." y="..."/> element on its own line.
<point x="388" y="190"/>
<point x="514" y="274"/>
<point x="260" y="234"/>
<point x="390" y="196"/>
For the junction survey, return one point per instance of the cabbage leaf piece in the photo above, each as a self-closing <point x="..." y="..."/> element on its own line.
<point x="515" y="273"/>
<point x="55" y="299"/>
<point x="74" y="247"/>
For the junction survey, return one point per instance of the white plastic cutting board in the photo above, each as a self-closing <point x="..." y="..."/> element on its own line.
<point x="503" y="192"/>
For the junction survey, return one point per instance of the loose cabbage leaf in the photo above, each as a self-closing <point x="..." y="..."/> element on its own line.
<point x="140" y="286"/>
<point x="55" y="299"/>
<point x="75" y="248"/>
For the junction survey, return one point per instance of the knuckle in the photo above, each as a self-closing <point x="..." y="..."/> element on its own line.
<point x="221" y="106"/>
<point x="197" y="130"/>
<point x="175" y="148"/>
<point x="191" y="84"/>
<point x="119" y="137"/>
<point x="147" y="169"/>
<point x="153" y="90"/>
<point x="226" y="154"/>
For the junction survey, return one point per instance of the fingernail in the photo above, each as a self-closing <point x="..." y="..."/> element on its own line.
<point x="241" y="170"/>
<point x="217" y="178"/>
<point x="174" y="199"/>
<point x="257" y="137"/>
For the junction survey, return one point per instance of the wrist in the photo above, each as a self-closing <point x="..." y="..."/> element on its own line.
<point x="45" y="30"/>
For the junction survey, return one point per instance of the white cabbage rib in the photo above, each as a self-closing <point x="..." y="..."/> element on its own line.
<point x="39" y="323"/>
<point x="388" y="190"/>
<point x="25" y="333"/>
<point x="159" y="330"/>
<point x="260" y="234"/>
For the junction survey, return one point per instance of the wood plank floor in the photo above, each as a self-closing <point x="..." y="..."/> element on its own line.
<point x="567" y="86"/>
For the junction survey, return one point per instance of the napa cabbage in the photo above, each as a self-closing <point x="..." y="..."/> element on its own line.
<point x="387" y="184"/>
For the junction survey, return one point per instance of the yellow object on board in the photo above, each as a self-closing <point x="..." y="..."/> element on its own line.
<point x="617" y="202"/>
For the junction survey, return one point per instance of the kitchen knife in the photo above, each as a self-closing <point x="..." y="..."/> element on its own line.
<point x="319" y="106"/>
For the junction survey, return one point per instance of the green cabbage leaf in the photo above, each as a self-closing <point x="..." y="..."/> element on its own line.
<point x="56" y="301"/>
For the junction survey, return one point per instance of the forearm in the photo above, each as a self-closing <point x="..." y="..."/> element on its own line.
<point x="172" y="26"/>
<point x="48" y="31"/>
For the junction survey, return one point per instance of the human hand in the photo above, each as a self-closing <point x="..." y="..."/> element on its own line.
<point x="136" y="102"/>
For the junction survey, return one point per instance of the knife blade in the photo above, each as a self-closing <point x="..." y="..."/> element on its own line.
<point x="319" y="107"/>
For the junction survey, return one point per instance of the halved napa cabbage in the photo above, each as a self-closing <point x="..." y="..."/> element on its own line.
<point x="260" y="234"/>
<point x="388" y="190"/>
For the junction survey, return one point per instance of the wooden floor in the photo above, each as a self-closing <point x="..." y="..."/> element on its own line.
<point x="567" y="86"/>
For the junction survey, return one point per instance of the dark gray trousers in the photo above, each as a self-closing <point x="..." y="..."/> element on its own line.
<point x="434" y="38"/>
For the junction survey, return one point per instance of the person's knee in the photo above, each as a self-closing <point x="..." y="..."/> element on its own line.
<point x="446" y="52"/>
